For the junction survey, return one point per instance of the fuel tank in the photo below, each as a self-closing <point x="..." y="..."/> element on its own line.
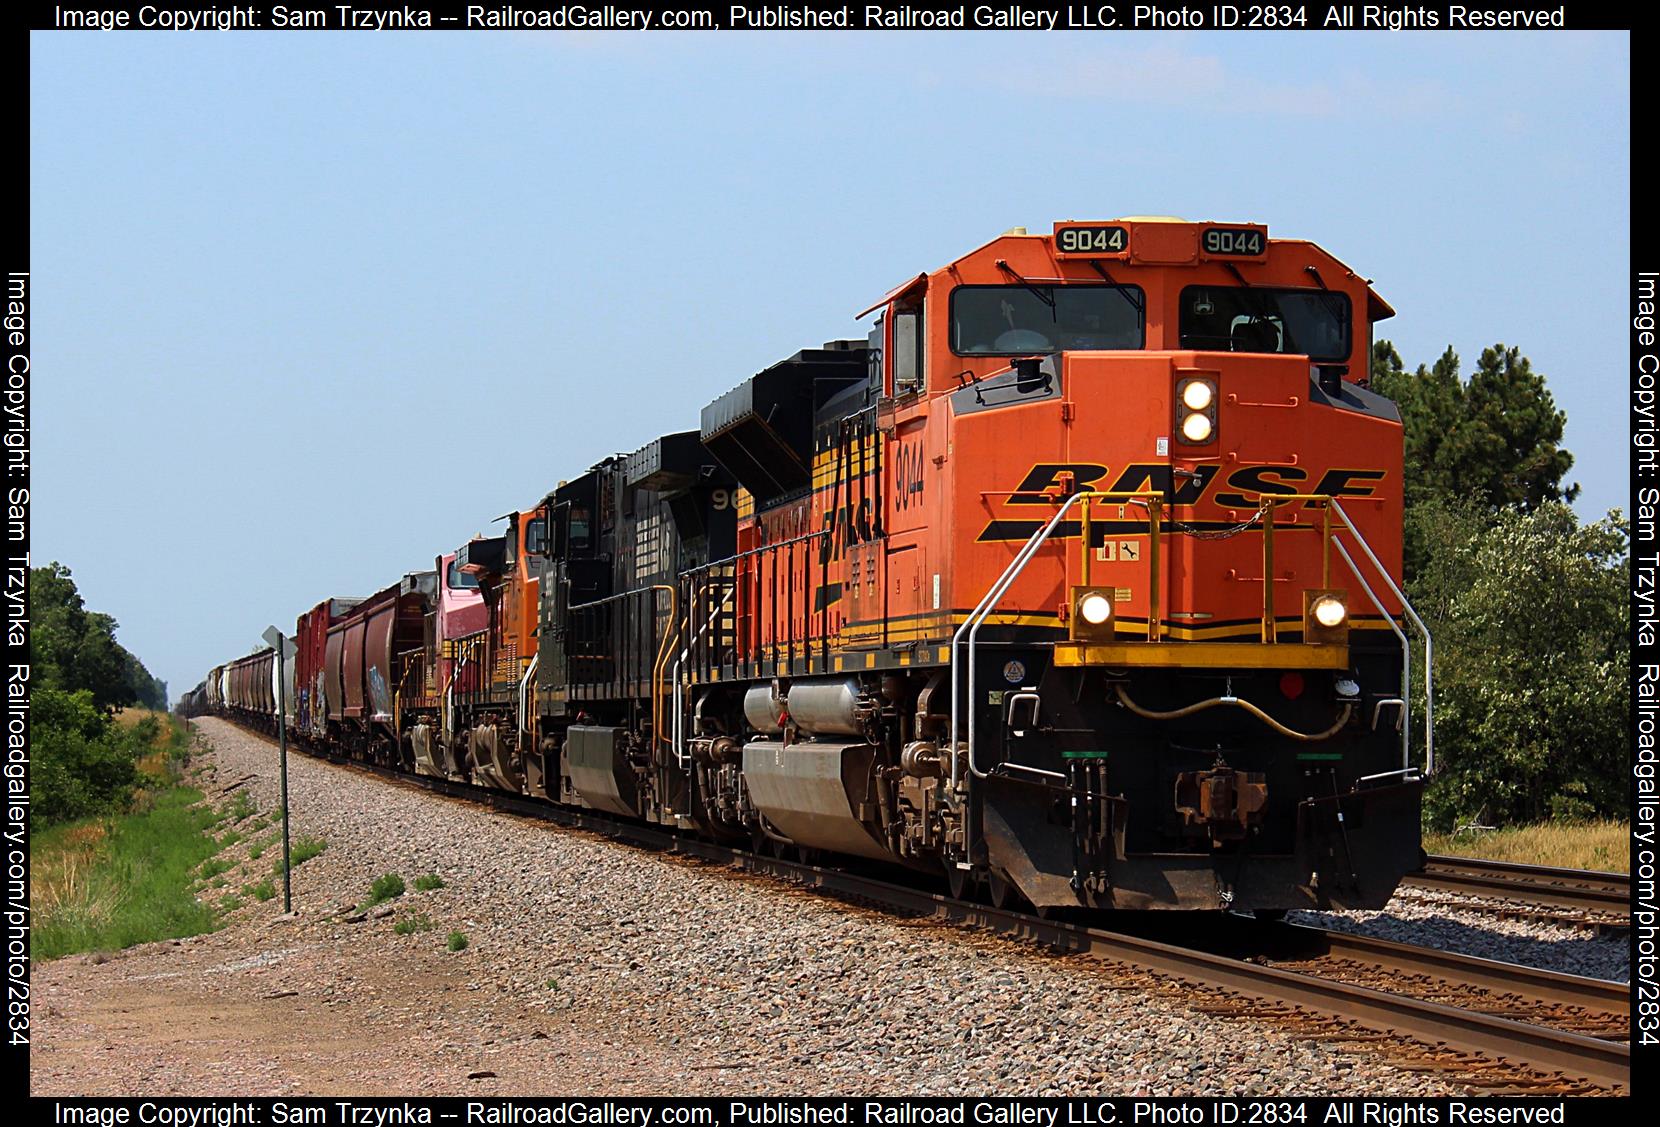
<point x="812" y="792"/>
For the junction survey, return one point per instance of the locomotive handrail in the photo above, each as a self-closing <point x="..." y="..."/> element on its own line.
<point x="1330" y="505"/>
<point x="755" y="576"/>
<point x="1153" y="501"/>
<point x="664" y="644"/>
<point x="679" y="700"/>
<point x="1405" y="725"/>
<point x="971" y="624"/>
<point x="1429" y="641"/>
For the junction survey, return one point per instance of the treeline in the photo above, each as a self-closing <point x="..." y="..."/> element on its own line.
<point x="1526" y="603"/>
<point x="83" y="762"/>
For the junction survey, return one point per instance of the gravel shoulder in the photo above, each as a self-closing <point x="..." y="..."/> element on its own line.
<point x="1449" y="921"/>
<point x="597" y="968"/>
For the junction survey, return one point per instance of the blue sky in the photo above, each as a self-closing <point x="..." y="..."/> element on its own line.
<point x="311" y="308"/>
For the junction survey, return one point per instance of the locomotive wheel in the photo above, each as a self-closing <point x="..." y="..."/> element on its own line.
<point x="1004" y="894"/>
<point x="962" y="883"/>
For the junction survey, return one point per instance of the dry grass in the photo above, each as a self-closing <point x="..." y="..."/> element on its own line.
<point x="67" y="884"/>
<point x="130" y="717"/>
<point x="1590" y="845"/>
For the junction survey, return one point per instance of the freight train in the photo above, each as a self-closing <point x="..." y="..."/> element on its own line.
<point x="1075" y="583"/>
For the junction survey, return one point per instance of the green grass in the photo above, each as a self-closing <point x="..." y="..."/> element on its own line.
<point x="301" y="851"/>
<point x="264" y="890"/>
<point x="428" y="882"/>
<point x="213" y="866"/>
<point x="383" y="889"/>
<point x="241" y="807"/>
<point x="409" y="925"/>
<point x="256" y="852"/>
<point x="104" y="884"/>
<point x="457" y="941"/>
<point x="231" y="903"/>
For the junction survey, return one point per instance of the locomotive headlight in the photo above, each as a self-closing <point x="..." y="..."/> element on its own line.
<point x="1195" y="411"/>
<point x="1325" y="616"/>
<point x="1093" y="614"/>
<point x="1329" y="611"/>
<point x="1094" y="608"/>
<point x="1197" y="427"/>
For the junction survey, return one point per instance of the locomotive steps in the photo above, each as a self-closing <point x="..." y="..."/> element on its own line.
<point x="595" y="967"/>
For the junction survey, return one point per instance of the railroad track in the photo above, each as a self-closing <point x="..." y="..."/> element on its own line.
<point x="1574" y="896"/>
<point x="1491" y="1025"/>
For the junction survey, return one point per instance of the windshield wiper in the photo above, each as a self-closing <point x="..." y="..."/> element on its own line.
<point x="1327" y="298"/>
<point x="1124" y="291"/>
<point x="1047" y="298"/>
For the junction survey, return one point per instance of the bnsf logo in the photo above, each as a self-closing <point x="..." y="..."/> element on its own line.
<point x="1237" y="491"/>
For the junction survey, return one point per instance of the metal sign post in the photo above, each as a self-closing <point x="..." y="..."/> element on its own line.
<point x="274" y="639"/>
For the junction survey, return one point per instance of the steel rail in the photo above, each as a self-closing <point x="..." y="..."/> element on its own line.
<point x="1597" y="995"/>
<point x="1581" y="890"/>
<point x="1597" y="1061"/>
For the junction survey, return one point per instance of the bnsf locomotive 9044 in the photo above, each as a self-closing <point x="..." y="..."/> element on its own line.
<point x="1076" y="583"/>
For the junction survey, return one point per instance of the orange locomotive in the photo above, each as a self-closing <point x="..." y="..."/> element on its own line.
<point x="1084" y="589"/>
<point x="1076" y="583"/>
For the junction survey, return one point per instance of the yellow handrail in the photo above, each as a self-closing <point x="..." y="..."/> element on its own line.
<point x="1155" y="505"/>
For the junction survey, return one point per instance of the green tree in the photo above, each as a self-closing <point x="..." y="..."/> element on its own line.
<point x="1531" y="626"/>
<point x="1493" y="443"/>
<point x="75" y="648"/>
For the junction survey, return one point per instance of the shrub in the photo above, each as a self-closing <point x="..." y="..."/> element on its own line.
<point x="304" y="850"/>
<point x="264" y="890"/>
<point x="457" y="941"/>
<point x="385" y="888"/>
<point x="428" y="882"/>
<point x="82" y="763"/>
<point x="409" y="925"/>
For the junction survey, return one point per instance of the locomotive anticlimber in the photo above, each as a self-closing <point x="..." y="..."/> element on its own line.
<point x="1076" y="581"/>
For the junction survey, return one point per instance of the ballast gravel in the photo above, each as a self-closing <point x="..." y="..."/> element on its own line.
<point x="593" y="967"/>
<point x="1450" y="921"/>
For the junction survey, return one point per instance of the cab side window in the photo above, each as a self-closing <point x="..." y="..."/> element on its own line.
<point x="907" y="351"/>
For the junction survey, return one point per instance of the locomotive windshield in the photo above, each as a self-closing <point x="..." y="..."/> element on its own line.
<point x="459" y="580"/>
<point x="536" y="538"/>
<point x="1313" y="323"/>
<point x="1020" y="320"/>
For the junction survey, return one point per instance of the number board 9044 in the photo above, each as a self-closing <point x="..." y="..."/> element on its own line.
<point x="1234" y="242"/>
<point x="1092" y="240"/>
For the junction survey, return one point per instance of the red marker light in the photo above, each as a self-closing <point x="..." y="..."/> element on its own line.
<point x="1291" y="685"/>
